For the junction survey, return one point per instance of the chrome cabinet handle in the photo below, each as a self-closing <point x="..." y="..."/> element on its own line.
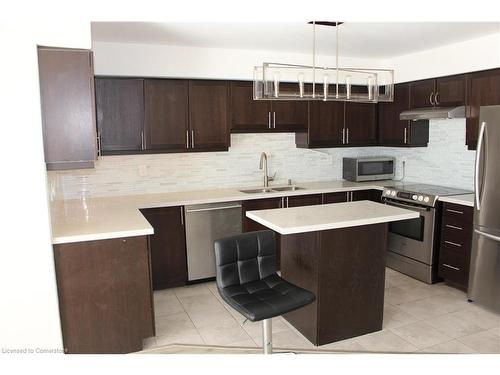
<point x="343" y="135"/>
<point x="478" y="158"/>
<point x="347" y="196"/>
<point x="192" y="138"/>
<point x="453" y="227"/>
<point x="406" y="133"/>
<point x="182" y="217"/>
<point x="455" y="211"/>
<point x="269" y="120"/>
<point x="452" y="267"/>
<point x="347" y="136"/>
<point x="274" y="120"/>
<point x="453" y="243"/>
<point x="436" y="102"/>
<point x="187" y="138"/>
<point x="430" y="99"/>
<point x="142" y="140"/>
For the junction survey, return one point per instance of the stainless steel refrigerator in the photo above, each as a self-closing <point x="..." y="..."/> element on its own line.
<point x="484" y="279"/>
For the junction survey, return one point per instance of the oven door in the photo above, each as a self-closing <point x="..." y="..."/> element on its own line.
<point x="413" y="238"/>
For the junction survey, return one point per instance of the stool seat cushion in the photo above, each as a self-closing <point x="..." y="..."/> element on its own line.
<point x="266" y="298"/>
<point x="247" y="279"/>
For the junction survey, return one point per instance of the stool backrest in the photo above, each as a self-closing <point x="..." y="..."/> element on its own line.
<point x="245" y="257"/>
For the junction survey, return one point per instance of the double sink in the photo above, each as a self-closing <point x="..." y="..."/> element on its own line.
<point x="271" y="190"/>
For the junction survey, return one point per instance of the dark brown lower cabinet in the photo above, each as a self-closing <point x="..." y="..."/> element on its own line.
<point x="105" y="297"/>
<point x="456" y="240"/>
<point x="168" y="246"/>
<point x="350" y="196"/>
<point x="303" y="200"/>
<point x="345" y="269"/>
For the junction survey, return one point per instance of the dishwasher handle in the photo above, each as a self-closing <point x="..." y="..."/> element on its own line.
<point x="213" y="208"/>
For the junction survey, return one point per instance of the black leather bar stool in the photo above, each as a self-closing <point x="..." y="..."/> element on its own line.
<point x="247" y="280"/>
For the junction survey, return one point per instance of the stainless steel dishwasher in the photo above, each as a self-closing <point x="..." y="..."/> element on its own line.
<point x="204" y="224"/>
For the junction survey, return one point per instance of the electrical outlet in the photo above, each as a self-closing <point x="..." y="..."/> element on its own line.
<point x="143" y="170"/>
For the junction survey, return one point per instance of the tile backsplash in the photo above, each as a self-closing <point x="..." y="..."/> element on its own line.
<point x="446" y="161"/>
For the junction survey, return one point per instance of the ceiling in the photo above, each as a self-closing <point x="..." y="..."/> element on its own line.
<point x="368" y="40"/>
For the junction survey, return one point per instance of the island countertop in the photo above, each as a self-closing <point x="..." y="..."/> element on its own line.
<point x="329" y="216"/>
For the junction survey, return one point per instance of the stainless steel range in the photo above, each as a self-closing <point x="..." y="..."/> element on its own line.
<point x="411" y="243"/>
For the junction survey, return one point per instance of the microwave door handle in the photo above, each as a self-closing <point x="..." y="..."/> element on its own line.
<point x="478" y="159"/>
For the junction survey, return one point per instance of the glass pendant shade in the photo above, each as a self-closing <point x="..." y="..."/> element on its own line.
<point x="276" y="81"/>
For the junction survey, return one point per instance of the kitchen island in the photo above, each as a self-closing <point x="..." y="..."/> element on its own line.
<point x="337" y="251"/>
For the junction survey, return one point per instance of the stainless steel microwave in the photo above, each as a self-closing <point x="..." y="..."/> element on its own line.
<point x="368" y="168"/>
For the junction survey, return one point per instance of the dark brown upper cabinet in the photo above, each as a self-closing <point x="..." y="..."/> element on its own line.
<point x="161" y="115"/>
<point x="441" y="92"/>
<point x="422" y="93"/>
<point x="360" y="124"/>
<point x="255" y="116"/>
<point x="208" y="115"/>
<point x="400" y="133"/>
<point x="326" y="125"/>
<point x="248" y="115"/>
<point x="167" y="247"/>
<point x="68" y="107"/>
<point x="450" y="91"/>
<point x="120" y="115"/>
<point x="288" y="115"/>
<point x="483" y="89"/>
<point x="166" y="114"/>
<point x="334" y="124"/>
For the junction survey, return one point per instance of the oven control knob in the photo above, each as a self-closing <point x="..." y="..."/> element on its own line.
<point x="426" y="199"/>
<point x="393" y="193"/>
<point x="420" y="198"/>
<point x="414" y="197"/>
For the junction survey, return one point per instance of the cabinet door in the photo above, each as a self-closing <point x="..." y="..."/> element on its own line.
<point x="105" y="297"/>
<point x="450" y="91"/>
<point x="165" y="114"/>
<point x="342" y="196"/>
<point x="120" y="115"/>
<point x="289" y="116"/>
<point x="361" y="124"/>
<point x="483" y="89"/>
<point x="391" y="130"/>
<point x="248" y="115"/>
<point x="208" y="115"/>
<point x="304" y="200"/>
<point x="68" y="109"/>
<point x="168" y="247"/>
<point x="326" y="124"/>
<point x="420" y="93"/>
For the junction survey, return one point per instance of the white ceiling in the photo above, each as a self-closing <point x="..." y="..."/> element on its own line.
<point x="368" y="40"/>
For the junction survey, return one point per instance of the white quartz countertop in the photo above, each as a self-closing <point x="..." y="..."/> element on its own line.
<point x="329" y="216"/>
<point x="89" y="218"/>
<point x="464" y="200"/>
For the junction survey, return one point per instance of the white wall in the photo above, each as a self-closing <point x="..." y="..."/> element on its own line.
<point x="28" y="303"/>
<point x="150" y="60"/>
<point x="468" y="56"/>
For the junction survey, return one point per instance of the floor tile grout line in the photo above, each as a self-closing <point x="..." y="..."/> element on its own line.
<point x="189" y="317"/>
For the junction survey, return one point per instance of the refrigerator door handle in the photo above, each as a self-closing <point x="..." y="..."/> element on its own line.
<point x="487" y="235"/>
<point x="478" y="158"/>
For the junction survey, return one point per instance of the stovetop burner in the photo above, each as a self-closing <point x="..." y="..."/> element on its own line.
<point x="421" y="194"/>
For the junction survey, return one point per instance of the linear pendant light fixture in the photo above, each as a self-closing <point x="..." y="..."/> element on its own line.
<point x="278" y="81"/>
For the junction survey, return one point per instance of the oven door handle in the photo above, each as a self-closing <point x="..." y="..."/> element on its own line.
<point x="408" y="207"/>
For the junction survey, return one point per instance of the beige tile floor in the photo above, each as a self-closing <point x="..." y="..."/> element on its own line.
<point x="417" y="318"/>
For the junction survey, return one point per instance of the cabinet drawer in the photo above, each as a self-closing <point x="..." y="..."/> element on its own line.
<point x="458" y="214"/>
<point x="452" y="235"/>
<point x="453" y="267"/>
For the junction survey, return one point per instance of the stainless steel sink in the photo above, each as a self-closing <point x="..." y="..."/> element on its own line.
<point x="271" y="190"/>
<point x="288" y="188"/>
<point x="256" y="191"/>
